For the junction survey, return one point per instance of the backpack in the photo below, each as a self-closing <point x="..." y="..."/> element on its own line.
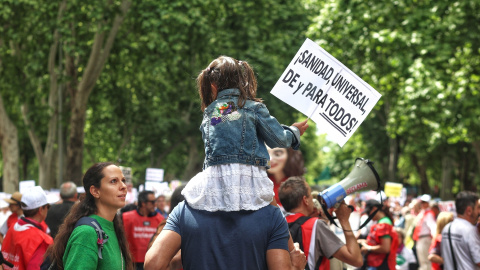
<point x="295" y="229"/>
<point x="48" y="264"/>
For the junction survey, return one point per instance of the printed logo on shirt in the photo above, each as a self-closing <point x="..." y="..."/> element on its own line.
<point x="146" y="223"/>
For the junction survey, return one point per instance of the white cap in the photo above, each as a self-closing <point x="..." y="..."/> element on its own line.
<point x="34" y="198"/>
<point x="425" y="198"/>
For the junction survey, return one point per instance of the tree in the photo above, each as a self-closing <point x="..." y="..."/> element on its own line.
<point x="10" y="152"/>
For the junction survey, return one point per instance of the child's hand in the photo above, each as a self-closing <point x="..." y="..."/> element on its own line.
<point x="302" y="126"/>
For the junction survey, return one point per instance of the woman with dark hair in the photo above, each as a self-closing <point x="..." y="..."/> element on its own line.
<point x="284" y="163"/>
<point x="380" y="247"/>
<point x="76" y="247"/>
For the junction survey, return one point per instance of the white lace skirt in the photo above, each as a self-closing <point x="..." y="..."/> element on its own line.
<point x="229" y="187"/>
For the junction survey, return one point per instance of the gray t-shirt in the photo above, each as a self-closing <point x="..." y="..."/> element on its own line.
<point x="326" y="243"/>
<point x="466" y="245"/>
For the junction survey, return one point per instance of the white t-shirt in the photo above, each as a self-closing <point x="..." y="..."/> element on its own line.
<point x="404" y="258"/>
<point x="466" y="245"/>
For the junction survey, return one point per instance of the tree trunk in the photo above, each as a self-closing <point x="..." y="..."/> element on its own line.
<point x="194" y="161"/>
<point x="75" y="147"/>
<point x="422" y="172"/>
<point x="10" y="151"/>
<point x="447" y="180"/>
<point x="393" y="160"/>
<point x="476" y="146"/>
<point x="101" y="47"/>
<point x="464" y="168"/>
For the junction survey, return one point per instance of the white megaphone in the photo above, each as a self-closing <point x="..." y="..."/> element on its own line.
<point x="362" y="177"/>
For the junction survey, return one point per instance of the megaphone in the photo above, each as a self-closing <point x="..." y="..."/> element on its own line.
<point x="362" y="177"/>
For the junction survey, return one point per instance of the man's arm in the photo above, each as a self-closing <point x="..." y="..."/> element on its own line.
<point x="350" y="252"/>
<point x="162" y="251"/>
<point x="279" y="259"/>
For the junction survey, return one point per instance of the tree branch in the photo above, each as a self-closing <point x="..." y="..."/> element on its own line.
<point x="37" y="146"/>
<point x="99" y="54"/>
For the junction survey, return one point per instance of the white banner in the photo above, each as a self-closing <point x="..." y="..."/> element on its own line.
<point x="127" y="172"/>
<point x="321" y="87"/>
<point x="154" y="175"/>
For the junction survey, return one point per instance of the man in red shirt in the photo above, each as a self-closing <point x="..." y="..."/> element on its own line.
<point x="26" y="241"/>
<point x="140" y="225"/>
<point x="16" y="209"/>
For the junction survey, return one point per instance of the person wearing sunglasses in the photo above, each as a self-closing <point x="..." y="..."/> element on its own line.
<point x="16" y="209"/>
<point x="140" y="225"/>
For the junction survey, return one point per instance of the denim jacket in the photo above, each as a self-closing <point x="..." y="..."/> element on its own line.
<point x="238" y="135"/>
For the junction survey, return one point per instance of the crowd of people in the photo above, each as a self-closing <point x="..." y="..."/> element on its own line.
<point x="249" y="208"/>
<point x="394" y="240"/>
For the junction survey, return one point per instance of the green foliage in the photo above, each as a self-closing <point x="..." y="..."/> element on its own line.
<point x="422" y="56"/>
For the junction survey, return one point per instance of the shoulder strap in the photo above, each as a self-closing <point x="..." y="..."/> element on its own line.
<point x="102" y="237"/>
<point x="451" y="247"/>
<point x="332" y="219"/>
<point x="295" y="229"/>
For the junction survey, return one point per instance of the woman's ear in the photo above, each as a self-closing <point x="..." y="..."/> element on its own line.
<point x="95" y="192"/>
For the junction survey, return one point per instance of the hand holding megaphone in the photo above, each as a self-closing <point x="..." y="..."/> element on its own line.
<point x="362" y="177"/>
<point x="343" y="211"/>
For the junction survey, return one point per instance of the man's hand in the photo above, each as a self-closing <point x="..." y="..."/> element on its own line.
<point x="298" y="257"/>
<point x="343" y="212"/>
<point x="302" y="126"/>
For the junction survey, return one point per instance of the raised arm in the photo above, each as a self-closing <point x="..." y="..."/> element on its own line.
<point x="350" y="253"/>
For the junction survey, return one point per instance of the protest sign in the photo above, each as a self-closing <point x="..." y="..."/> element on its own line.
<point x="393" y="189"/>
<point x="24" y="185"/>
<point x="321" y="87"/>
<point x="154" y="174"/>
<point x="127" y="172"/>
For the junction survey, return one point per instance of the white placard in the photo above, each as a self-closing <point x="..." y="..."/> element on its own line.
<point x="321" y="87"/>
<point x="23" y="186"/>
<point x="127" y="172"/>
<point x="157" y="187"/>
<point x="154" y="175"/>
<point x="80" y="189"/>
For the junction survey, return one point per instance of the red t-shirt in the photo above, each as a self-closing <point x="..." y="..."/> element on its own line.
<point x="276" y="186"/>
<point x="139" y="229"/>
<point x="374" y="238"/>
<point x="12" y="219"/>
<point x="435" y="249"/>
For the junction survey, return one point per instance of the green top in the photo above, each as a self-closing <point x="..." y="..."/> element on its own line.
<point x="82" y="249"/>
<point x="385" y="220"/>
<point x="388" y="221"/>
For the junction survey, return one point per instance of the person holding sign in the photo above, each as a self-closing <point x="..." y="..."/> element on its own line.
<point x="227" y="206"/>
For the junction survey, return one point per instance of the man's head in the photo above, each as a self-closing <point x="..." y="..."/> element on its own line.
<point x="467" y="205"/>
<point x="14" y="203"/>
<point x="35" y="204"/>
<point x="146" y="201"/>
<point x="68" y="191"/>
<point x="295" y="193"/>
<point x="161" y="202"/>
<point x="425" y="201"/>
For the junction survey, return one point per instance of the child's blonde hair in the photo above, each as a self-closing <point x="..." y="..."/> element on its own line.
<point x="225" y="73"/>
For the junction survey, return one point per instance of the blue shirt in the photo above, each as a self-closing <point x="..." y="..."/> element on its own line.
<point x="228" y="240"/>
<point x="238" y="135"/>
